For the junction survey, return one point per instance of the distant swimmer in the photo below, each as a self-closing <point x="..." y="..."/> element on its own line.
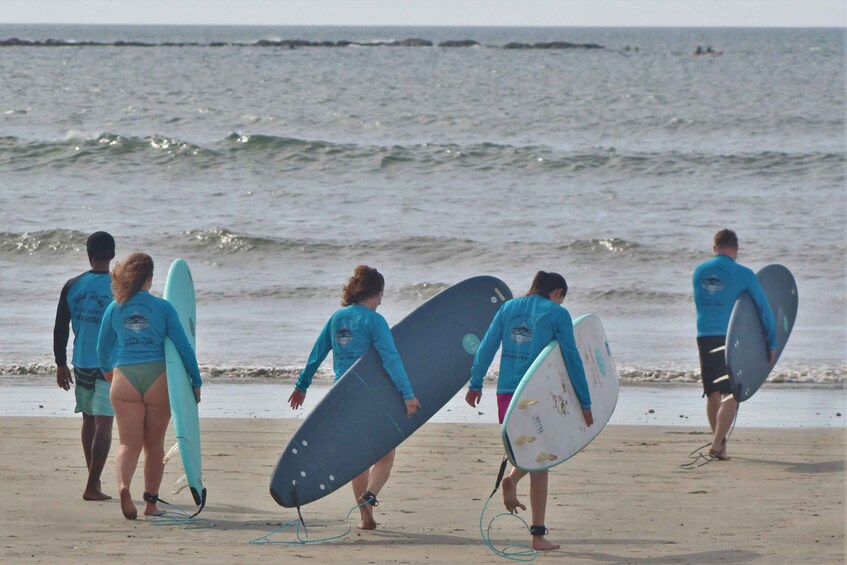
<point x="707" y="51"/>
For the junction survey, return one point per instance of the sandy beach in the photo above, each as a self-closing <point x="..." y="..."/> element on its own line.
<point x="623" y="500"/>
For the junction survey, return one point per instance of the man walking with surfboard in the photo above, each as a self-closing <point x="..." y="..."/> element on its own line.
<point x="717" y="285"/>
<point x="83" y="300"/>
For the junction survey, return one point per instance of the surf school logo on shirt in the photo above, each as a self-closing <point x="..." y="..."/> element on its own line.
<point x="713" y="284"/>
<point x="343" y="337"/>
<point x="136" y="322"/>
<point x="522" y="334"/>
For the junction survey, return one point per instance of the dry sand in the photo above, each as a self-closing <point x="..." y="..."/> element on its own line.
<point x="623" y="500"/>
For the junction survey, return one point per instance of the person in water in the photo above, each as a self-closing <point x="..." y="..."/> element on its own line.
<point x="717" y="284"/>
<point x="349" y="333"/>
<point x="131" y="350"/>
<point x="524" y="326"/>
<point x="82" y="302"/>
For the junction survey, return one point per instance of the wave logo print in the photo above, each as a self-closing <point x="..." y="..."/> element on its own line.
<point x="343" y="337"/>
<point x="136" y="322"/>
<point x="522" y="334"/>
<point x="713" y="284"/>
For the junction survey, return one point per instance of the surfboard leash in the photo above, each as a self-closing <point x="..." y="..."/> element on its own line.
<point x="698" y="459"/>
<point x="513" y="552"/>
<point x="179" y="516"/>
<point x="300" y="525"/>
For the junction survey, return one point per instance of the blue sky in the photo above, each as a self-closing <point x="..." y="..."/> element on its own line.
<point x="640" y="13"/>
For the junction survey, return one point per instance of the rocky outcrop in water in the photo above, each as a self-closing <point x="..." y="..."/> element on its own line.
<point x="291" y="43"/>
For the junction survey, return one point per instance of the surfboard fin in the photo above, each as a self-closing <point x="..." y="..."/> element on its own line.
<point x="527" y="403"/>
<point x="179" y="485"/>
<point x="544" y="456"/>
<point x="723" y="378"/>
<point x="715" y="350"/>
<point x="171" y="452"/>
<point x="524" y="439"/>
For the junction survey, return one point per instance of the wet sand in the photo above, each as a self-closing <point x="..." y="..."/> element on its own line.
<point x="624" y="499"/>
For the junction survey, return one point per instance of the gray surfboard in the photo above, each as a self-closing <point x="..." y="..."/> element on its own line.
<point x="363" y="417"/>
<point x="746" y="340"/>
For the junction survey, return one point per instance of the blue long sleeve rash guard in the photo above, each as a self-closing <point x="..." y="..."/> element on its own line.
<point x="134" y="332"/>
<point x="717" y="285"/>
<point x="82" y="303"/>
<point x="349" y="333"/>
<point x="525" y="326"/>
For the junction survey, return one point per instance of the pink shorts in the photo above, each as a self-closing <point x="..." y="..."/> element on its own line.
<point x="503" y="401"/>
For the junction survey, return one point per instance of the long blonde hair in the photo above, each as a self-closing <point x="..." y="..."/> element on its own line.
<point x="129" y="276"/>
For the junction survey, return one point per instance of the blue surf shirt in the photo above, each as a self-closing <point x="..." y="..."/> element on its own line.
<point x="349" y="333"/>
<point x="82" y="303"/>
<point x="134" y="332"/>
<point x="717" y="285"/>
<point x="525" y="326"/>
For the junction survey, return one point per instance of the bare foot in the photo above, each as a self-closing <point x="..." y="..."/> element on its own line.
<point x="720" y="455"/>
<point x="510" y="496"/>
<point x="368" y="522"/>
<point x="540" y="543"/>
<point x="127" y="505"/>
<point x="150" y="509"/>
<point x="95" y="495"/>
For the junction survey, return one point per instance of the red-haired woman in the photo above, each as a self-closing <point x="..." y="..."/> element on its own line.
<point x="349" y="333"/>
<point x="131" y="347"/>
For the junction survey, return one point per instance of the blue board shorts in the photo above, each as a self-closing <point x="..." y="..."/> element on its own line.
<point x="92" y="393"/>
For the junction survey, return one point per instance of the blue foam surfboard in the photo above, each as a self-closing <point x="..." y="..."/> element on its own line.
<point x="179" y="291"/>
<point x="363" y="417"/>
<point x="746" y="340"/>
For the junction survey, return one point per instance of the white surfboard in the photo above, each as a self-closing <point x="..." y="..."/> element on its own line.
<point x="544" y="425"/>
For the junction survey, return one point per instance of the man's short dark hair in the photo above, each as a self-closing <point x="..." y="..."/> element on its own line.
<point x="726" y="238"/>
<point x="100" y="246"/>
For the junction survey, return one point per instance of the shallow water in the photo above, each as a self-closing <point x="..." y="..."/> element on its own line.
<point x="673" y="405"/>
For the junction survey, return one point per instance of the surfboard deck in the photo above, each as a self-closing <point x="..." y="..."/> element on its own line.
<point x="363" y="417"/>
<point x="544" y="425"/>
<point x="746" y="340"/>
<point x="179" y="291"/>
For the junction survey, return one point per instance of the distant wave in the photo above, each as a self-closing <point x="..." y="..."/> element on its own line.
<point x="423" y="250"/>
<point x="822" y="375"/>
<point x="637" y="295"/>
<point x="44" y="242"/>
<point x="416" y="292"/>
<point x="292" y="43"/>
<point x="110" y="152"/>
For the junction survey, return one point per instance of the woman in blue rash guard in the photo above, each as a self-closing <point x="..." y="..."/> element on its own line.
<point x="524" y="326"/>
<point x="349" y="333"/>
<point x="131" y="349"/>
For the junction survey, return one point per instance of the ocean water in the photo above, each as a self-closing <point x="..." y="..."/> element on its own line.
<point x="275" y="171"/>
